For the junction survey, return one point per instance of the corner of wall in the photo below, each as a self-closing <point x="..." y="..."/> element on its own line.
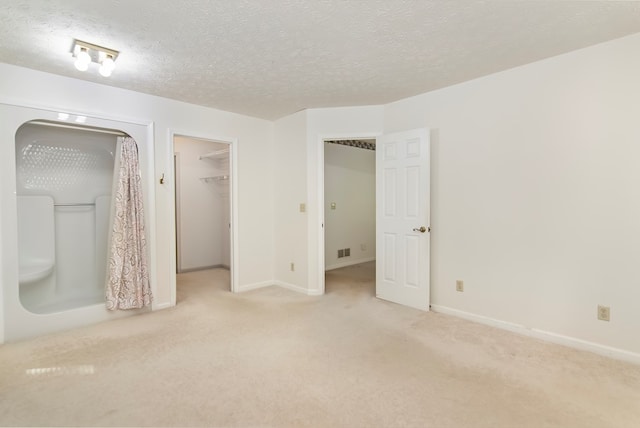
<point x="290" y="199"/>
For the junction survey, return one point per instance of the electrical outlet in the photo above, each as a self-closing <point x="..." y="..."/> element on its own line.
<point x="459" y="285"/>
<point x="333" y="205"/>
<point x="340" y="254"/>
<point x="292" y="267"/>
<point x="303" y="207"/>
<point x="347" y="252"/>
<point x="604" y="313"/>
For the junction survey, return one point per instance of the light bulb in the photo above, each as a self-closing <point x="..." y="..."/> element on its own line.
<point x="82" y="60"/>
<point x="107" y="66"/>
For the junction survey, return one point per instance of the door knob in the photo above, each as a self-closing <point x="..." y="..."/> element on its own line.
<point x="421" y="230"/>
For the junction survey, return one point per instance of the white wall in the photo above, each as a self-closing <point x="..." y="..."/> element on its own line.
<point x="298" y="160"/>
<point x="350" y="183"/>
<point x="203" y="204"/>
<point x="255" y="209"/>
<point x="289" y="158"/>
<point x="536" y="193"/>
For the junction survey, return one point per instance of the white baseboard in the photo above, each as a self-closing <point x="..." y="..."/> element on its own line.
<point x="296" y="288"/>
<point x="196" y="269"/>
<point x="277" y="283"/>
<point x="572" y="342"/>
<point x="254" y="286"/>
<point x="349" y="263"/>
<point x="160" y="306"/>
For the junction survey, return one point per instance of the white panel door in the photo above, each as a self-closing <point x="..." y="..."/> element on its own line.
<point x="402" y="218"/>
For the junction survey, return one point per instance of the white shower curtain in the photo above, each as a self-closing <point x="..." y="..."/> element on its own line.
<point x="128" y="276"/>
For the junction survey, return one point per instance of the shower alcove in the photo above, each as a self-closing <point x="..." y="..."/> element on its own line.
<point x="63" y="189"/>
<point x="57" y="208"/>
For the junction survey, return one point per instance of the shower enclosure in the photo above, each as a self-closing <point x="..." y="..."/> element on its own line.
<point x="56" y="186"/>
<point x="63" y="187"/>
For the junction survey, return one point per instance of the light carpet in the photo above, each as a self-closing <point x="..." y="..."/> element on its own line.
<point x="275" y="358"/>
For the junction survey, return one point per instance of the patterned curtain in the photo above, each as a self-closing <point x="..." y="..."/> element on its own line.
<point x="128" y="276"/>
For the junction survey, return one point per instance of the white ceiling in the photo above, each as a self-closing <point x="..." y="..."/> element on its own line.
<point x="270" y="58"/>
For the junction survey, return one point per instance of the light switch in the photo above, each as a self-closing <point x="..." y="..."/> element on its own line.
<point x="333" y="205"/>
<point x="303" y="207"/>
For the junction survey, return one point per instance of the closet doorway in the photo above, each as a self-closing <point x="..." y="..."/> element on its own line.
<point x="350" y="209"/>
<point x="204" y="206"/>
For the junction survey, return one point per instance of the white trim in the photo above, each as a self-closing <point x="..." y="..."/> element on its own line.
<point x="233" y="166"/>
<point x="88" y="113"/>
<point x="572" y="342"/>
<point x="314" y="293"/>
<point x="234" y="263"/>
<point x="281" y="284"/>
<point x="152" y="210"/>
<point x="199" y="268"/>
<point x="177" y="196"/>
<point x="291" y="287"/>
<point x="349" y="263"/>
<point x="320" y="226"/>
<point x="297" y="288"/>
<point x="162" y="306"/>
<point x="255" y="286"/>
<point x="170" y="179"/>
<point x="320" y="197"/>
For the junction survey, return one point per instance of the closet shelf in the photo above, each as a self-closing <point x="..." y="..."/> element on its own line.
<point x="218" y="154"/>
<point x="215" y="178"/>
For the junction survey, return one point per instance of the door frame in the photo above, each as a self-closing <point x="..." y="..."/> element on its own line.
<point x="177" y="196"/>
<point x="320" y="259"/>
<point x="233" y="205"/>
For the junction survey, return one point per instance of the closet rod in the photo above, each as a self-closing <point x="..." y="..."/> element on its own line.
<point x="82" y="128"/>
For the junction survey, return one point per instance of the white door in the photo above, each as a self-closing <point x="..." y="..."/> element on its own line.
<point x="402" y="218"/>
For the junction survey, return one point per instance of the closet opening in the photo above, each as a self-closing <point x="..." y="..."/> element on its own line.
<point x="204" y="212"/>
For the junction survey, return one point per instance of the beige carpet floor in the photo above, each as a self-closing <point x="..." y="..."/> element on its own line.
<point x="274" y="358"/>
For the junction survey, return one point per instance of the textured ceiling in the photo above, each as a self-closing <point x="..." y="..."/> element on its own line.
<point x="270" y="58"/>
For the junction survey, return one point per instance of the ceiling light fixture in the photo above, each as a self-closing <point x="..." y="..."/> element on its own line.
<point x="107" y="65"/>
<point x="86" y="53"/>
<point x="82" y="60"/>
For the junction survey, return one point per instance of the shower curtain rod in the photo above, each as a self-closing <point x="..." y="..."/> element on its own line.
<point x="83" y="128"/>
